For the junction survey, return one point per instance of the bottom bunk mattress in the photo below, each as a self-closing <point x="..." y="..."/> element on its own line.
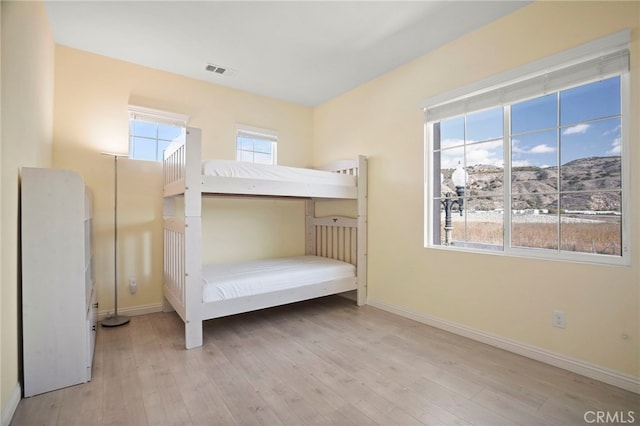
<point x="232" y="280"/>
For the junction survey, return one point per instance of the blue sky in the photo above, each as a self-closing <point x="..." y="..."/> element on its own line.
<point x="589" y="127"/>
<point x="254" y="150"/>
<point x="144" y="135"/>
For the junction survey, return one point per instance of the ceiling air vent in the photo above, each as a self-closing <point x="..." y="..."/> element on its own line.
<point x="217" y="69"/>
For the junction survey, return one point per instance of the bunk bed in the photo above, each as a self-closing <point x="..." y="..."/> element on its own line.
<point x="335" y="247"/>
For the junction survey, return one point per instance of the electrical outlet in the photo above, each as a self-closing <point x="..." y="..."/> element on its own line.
<point x="558" y="319"/>
<point x="133" y="285"/>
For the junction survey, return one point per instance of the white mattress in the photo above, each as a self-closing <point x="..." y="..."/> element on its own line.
<point x="230" y="280"/>
<point x="242" y="169"/>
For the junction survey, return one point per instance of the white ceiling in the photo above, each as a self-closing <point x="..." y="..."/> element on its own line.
<point x="305" y="52"/>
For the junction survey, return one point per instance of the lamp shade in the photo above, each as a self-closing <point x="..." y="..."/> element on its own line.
<point x="459" y="176"/>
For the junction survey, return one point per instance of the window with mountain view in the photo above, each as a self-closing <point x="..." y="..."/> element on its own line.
<point x="543" y="176"/>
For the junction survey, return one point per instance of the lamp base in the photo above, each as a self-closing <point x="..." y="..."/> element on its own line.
<point x="115" y="321"/>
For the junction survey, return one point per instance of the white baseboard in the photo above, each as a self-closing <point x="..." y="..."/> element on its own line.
<point x="133" y="311"/>
<point x="9" y="410"/>
<point x="612" y="377"/>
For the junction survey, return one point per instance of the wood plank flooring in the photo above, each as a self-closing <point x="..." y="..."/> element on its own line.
<point x="322" y="362"/>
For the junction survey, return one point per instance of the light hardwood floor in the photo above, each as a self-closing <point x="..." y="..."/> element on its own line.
<point x="320" y="362"/>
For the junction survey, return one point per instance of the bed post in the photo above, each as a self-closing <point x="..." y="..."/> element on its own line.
<point x="310" y="232"/>
<point x="192" y="173"/>
<point x="362" y="230"/>
<point x="193" y="282"/>
<point x="193" y="238"/>
<point x="168" y="212"/>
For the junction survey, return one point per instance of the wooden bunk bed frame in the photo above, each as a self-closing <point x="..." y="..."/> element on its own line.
<point x="337" y="237"/>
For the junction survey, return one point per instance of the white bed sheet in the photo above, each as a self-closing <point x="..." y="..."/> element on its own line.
<point x="230" y="280"/>
<point x="243" y="169"/>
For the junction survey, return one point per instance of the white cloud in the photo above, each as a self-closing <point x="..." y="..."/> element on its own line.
<point x="446" y="143"/>
<point x="577" y="129"/>
<point x="485" y="153"/>
<point x="542" y="149"/>
<point x="516" y="148"/>
<point x="615" y="130"/>
<point x="616" y="147"/>
<point x="484" y="157"/>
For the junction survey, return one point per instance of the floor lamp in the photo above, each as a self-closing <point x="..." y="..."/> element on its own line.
<point x="115" y="320"/>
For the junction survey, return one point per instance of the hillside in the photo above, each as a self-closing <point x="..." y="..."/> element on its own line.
<point x="536" y="185"/>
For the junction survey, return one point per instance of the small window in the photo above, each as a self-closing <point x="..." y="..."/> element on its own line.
<point x="151" y="131"/>
<point x="256" y="145"/>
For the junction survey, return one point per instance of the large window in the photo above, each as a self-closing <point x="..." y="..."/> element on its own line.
<point x="539" y="175"/>
<point x="151" y="131"/>
<point x="256" y="145"/>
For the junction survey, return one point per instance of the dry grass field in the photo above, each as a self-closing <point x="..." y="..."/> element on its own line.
<point x="578" y="235"/>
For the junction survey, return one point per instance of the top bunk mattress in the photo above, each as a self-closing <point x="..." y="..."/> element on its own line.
<point x="232" y="280"/>
<point x="267" y="172"/>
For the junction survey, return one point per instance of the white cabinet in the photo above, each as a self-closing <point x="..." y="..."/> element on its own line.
<point x="58" y="296"/>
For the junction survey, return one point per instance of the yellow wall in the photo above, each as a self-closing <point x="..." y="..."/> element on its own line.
<point x="27" y="122"/>
<point x="505" y="296"/>
<point x="91" y="97"/>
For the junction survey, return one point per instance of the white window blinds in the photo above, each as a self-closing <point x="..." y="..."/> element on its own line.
<point x="244" y="131"/>
<point x="156" y="116"/>
<point x="599" y="59"/>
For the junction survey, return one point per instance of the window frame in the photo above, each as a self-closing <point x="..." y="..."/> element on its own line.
<point x="155" y="116"/>
<point x="260" y="134"/>
<point x="616" y="42"/>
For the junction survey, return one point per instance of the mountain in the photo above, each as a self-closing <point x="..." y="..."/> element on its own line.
<point x="582" y="183"/>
